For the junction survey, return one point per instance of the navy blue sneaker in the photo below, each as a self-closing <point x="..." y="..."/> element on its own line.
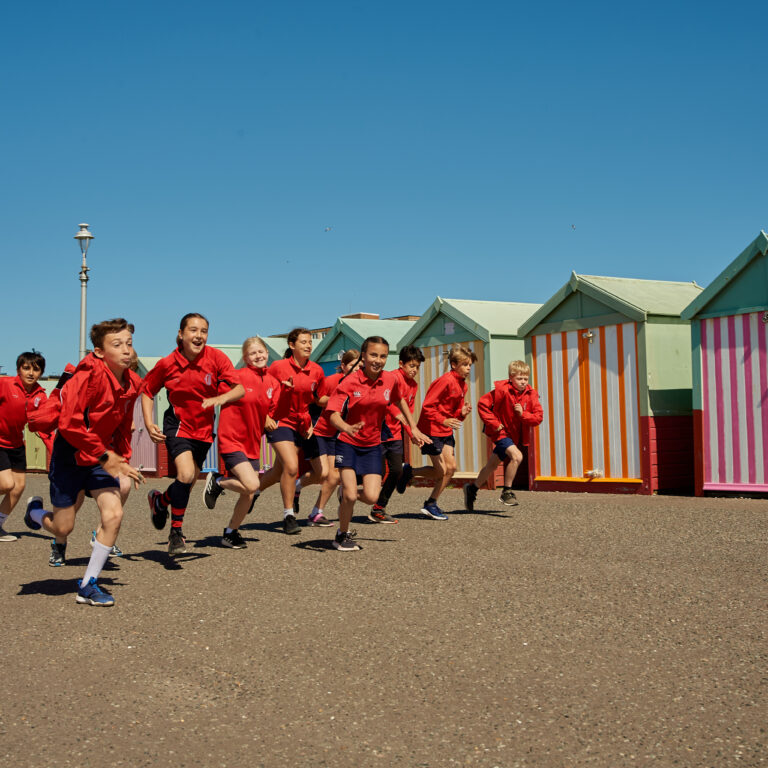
<point x="90" y="594"/>
<point x="470" y="494"/>
<point x="114" y="552"/>
<point x="58" y="555"/>
<point x="212" y="489"/>
<point x="430" y="509"/>
<point x="33" y="502"/>
<point x="405" y="478"/>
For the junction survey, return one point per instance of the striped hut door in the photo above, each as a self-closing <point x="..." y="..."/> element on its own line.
<point x="587" y="382"/>
<point x="470" y="441"/>
<point x="143" y="450"/>
<point x="735" y="402"/>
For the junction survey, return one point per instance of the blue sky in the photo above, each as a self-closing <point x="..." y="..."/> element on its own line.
<point x="450" y="147"/>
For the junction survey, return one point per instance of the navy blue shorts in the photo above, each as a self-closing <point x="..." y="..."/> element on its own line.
<point x="288" y="435"/>
<point x="436" y="448"/>
<point x="13" y="458"/>
<point x="326" y="445"/>
<point x="67" y="478"/>
<point x="234" y="458"/>
<point x="500" y="447"/>
<point x="394" y="447"/>
<point x="178" y="445"/>
<point x="364" y="460"/>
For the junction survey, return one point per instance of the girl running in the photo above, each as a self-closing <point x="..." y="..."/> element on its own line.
<point x="358" y="408"/>
<point x="301" y="384"/>
<point x="325" y="434"/>
<point x="443" y="411"/>
<point x="192" y="375"/>
<point x="241" y="426"/>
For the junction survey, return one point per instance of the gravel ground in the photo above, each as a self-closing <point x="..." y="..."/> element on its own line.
<point x="572" y="630"/>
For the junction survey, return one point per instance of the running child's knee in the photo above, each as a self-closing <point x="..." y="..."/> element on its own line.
<point x="6" y="486"/>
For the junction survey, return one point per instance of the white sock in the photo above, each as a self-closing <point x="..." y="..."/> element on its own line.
<point x="3" y="518"/>
<point x="38" y="514"/>
<point x="288" y="512"/>
<point x="96" y="563"/>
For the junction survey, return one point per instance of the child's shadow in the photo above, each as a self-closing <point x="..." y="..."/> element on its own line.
<point x="169" y="562"/>
<point x="58" y="587"/>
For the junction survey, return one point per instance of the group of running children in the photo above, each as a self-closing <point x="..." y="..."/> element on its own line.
<point x="350" y="429"/>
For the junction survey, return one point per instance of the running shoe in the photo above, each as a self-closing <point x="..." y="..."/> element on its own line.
<point x="379" y="515"/>
<point x="5" y="536"/>
<point x="58" y="554"/>
<point x="212" y="489"/>
<point x="33" y="502"/>
<point x="233" y="540"/>
<point x="430" y="509"/>
<point x="345" y="541"/>
<point x="158" y="512"/>
<point x="319" y="520"/>
<point x="508" y="497"/>
<point x="296" y="504"/>
<point x="114" y="552"/>
<point x="405" y="478"/>
<point x="92" y="594"/>
<point x="290" y="525"/>
<point x="177" y="544"/>
<point x="470" y="494"/>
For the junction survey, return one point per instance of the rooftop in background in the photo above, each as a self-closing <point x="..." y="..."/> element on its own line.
<point x="319" y="333"/>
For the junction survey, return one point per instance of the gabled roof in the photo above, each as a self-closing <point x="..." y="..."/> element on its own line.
<point x="233" y="351"/>
<point x="758" y="247"/>
<point x="484" y="318"/>
<point x="357" y="330"/>
<point x="631" y="297"/>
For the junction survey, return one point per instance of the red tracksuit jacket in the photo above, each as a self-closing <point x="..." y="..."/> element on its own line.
<point x="497" y="409"/>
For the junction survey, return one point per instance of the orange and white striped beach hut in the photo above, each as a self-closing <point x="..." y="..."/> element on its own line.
<point x="610" y="358"/>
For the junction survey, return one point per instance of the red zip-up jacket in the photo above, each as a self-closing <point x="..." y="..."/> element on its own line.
<point x="444" y="400"/>
<point x="15" y="404"/>
<point x="241" y="423"/>
<point x="292" y="408"/>
<point x="97" y="411"/>
<point x="497" y="409"/>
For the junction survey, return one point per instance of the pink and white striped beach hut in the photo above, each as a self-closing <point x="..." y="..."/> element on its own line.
<point x="730" y="375"/>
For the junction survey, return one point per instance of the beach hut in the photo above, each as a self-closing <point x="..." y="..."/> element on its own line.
<point x="729" y="324"/>
<point x="349" y="333"/>
<point x="610" y="359"/>
<point x="490" y="329"/>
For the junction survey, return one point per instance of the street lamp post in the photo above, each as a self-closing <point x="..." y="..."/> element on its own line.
<point x="84" y="237"/>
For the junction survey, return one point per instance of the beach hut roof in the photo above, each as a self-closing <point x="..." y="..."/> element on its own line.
<point x="483" y="318"/>
<point x="359" y="329"/>
<point x="635" y="298"/>
<point x="757" y="248"/>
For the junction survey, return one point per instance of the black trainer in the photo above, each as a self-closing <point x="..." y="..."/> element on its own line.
<point x="253" y="501"/>
<point x="291" y="524"/>
<point x="212" y="490"/>
<point x="508" y="497"/>
<point x="296" y="504"/>
<point x="405" y="478"/>
<point x="233" y="540"/>
<point x="177" y="544"/>
<point x="470" y="494"/>
<point x="345" y="541"/>
<point x="58" y="554"/>
<point x="158" y="512"/>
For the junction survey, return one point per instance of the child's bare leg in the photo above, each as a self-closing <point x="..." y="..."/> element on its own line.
<point x="12" y="483"/>
<point x="111" y="512"/>
<point x="490" y="467"/>
<point x="371" y="489"/>
<point x="332" y="480"/>
<point x="349" y="497"/>
<point x="515" y="458"/>
<point x="289" y="460"/>
<point x="445" y="465"/>
<point x="248" y="479"/>
<point x="272" y="475"/>
<point x="59" y="522"/>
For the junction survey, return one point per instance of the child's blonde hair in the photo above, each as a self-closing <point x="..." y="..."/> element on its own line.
<point x="457" y="353"/>
<point x="253" y="340"/>
<point x="519" y="367"/>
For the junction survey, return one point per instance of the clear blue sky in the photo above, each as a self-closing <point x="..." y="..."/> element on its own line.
<point x="451" y="147"/>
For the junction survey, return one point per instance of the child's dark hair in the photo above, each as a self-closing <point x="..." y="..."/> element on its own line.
<point x="369" y="340"/>
<point x="293" y="337"/>
<point x="411" y="353"/>
<point x="183" y="324"/>
<point x="100" y="330"/>
<point x="33" y="358"/>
